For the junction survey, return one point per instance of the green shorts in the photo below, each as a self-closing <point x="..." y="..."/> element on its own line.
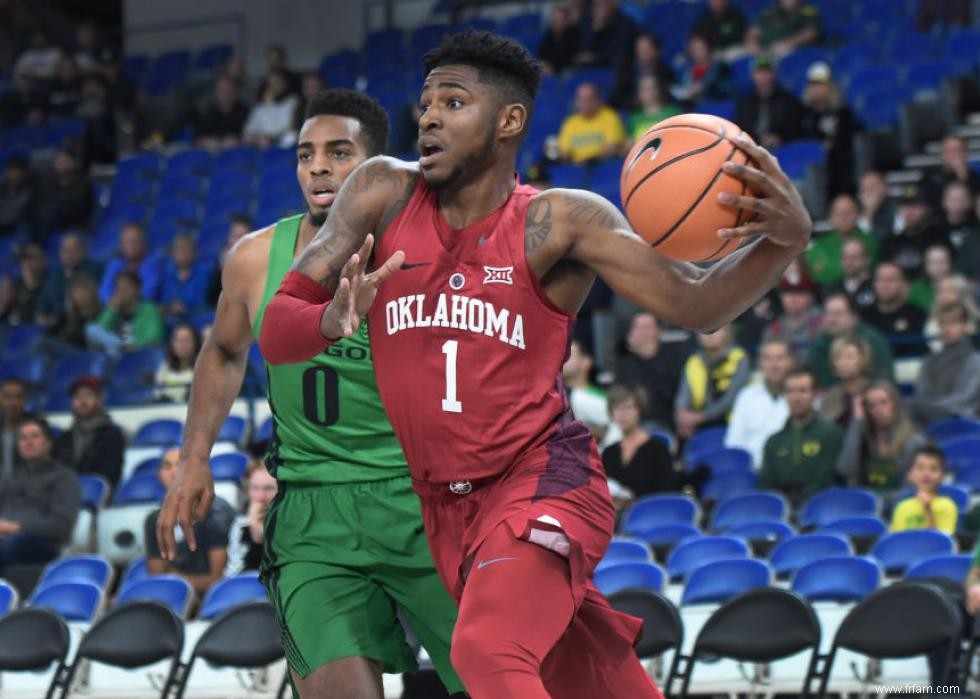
<point x="340" y="561"/>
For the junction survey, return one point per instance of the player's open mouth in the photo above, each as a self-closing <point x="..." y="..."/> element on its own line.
<point x="323" y="196"/>
<point x="429" y="153"/>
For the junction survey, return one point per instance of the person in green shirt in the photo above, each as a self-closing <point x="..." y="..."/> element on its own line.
<point x="654" y="107"/>
<point x="841" y="319"/>
<point x="127" y="322"/>
<point x="823" y="257"/>
<point x="801" y="459"/>
<point x="784" y="27"/>
<point x="938" y="265"/>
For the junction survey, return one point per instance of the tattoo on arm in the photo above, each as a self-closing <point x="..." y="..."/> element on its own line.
<point x="538" y="224"/>
<point x="588" y="211"/>
<point x="373" y="175"/>
<point x="395" y="209"/>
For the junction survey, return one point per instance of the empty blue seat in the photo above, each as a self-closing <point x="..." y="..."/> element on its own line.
<point x="860" y="526"/>
<point x="927" y="76"/>
<point x="137" y="369"/>
<point x="228" y="467"/>
<point x="719" y="108"/>
<point x="173" y="591"/>
<point x="147" y="467"/>
<point x="797" y="157"/>
<point x="264" y="431"/>
<point x="749" y="507"/>
<point x="880" y="108"/>
<point x="158" y="432"/>
<point x="954" y="428"/>
<point x="211" y="57"/>
<point x="196" y="161"/>
<point x="119" y="397"/>
<point x="711" y="439"/>
<point x="837" y="579"/>
<point x="968" y="473"/>
<point x="838" y="503"/>
<point x="854" y="56"/>
<point x="27" y="369"/>
<point x="625" y="550"/>
<point x="762" y="531"/>
<point x="724" y="485"/>
<point x="900" y="550"/>
<point x="962" y="451"/>
<point x="73" y="601"/>
<point x="94" y="490"/>
<point x="91" y="568"/>
<point x="692" y="554"/>
<point x="229" y="593"/>
<point x="135" y="571"/>
<point x="144" y="165"/>
<point x="74" y="366"/>
<point x="525" y="28"/>
<point x="723" y="460"/>
<point x="568" y="175"/>
<point x="961" y="49"/>
<point x="232" y="160"/>
<point x="233" y="429"/>
<point x="954" y="567"/>
<point x="139" y="489"/>
<point x="906" y="46"/>
<point x="630" y="574"/>
<point x="603" y="78"/>
<point x="667" y="534"/>
<point x="655" y="510"/>
<point x="8" y="597"/>
<point x="869" y="79"/>
<point x="791" y="554"/>
<point x="721" y="580"/>
<point x="20" y="340"/>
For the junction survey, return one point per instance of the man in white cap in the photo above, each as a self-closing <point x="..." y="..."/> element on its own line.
<point x="830" y="120"/>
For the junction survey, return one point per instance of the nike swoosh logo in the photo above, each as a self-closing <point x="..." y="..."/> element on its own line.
<point x="483" y="564"/>
<point x="413" y="265"/>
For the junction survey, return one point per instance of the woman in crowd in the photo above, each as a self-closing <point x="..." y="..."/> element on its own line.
<point x="173" y="379"/>
<point x="851" y="360"/>
<point x="654" y="107"/>
<point x="247" y="535"/>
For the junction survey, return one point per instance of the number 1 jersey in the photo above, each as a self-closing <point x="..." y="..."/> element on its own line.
<point x="468" y="349"/>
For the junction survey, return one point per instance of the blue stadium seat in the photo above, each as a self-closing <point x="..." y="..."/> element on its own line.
<point x="135" y="571"/>
<point x="568" y="175"/>
<point x="954" y="428"/>
<point x="862" y="525"/>
<point x="228" y="467"/>
<point x="954" y="568"/>
<point x="837" y="579"/>
<point x="94" y="491"/>
<point x="62" y="131"/>
<point x="961" y="49"/>
<point x="927" y="76"/>
<point x="340" y="69"/>
<point x="229" y="593"/>
<point x="91" y="568"/>
<point x="144" y="165"/>
<point x="146" y="467"/>
<point x="723" y="460"/>
<point x="173" y="591"/>
<point x="233" y="429"/>
<point x="968" y="474"/>
<point x="427" y="37"/>
<point x="211" y="57"/>
<point x="158" y="432"/>
<point x="239" y="158"/>
<point x="20" y="340"/>
<point x="837" y="503"/>
<point x="603" y="78"/>
<point x="900" y="550"/>
<point x="911" y="46"/>
<point x="749" y="507"/>
<point x="8" y="597"/>
<point x="961" y="452"/>
<point x="869" y="79"/>
<point x="724" y="485"/>
<point x="631" y="574"/>
<point x="193" y="161"/>
<point x="181" y="210"/>
<point x="721" y="580"/>
<point x="28" y="369"/>
<point x="525" y="28"/>
<point x="74" y="366"/>
<point x="127" y="398"/>
<point x="959" y="493"/>
<point x="264" y="431"/>
<point x="655" y="510"/>
<point x="792" y="68"/>
<point x="139" y="489"/>
<point x="667" y="534"/>
<point x="797" y="157"/>
<point x="690" y="555"/>
<point x="710" y="439"/>
<point x="719" y="108"/>
<point x="763" y="531"/>
<point x="791" y="554"/>
<point x="73" y="601"/>
<point x="853" y="57"/>
<point x="879" y="108"/>
<point x="137" y="369"/>
<point x="57" y="403"/>
<point x="625" y="550"/>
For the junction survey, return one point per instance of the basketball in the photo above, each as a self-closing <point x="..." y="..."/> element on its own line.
<point x="670" y="185"/>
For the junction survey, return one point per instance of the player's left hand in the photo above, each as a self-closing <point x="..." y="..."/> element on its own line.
<point x="780" y="213"/>
<point x="356" y="291"/>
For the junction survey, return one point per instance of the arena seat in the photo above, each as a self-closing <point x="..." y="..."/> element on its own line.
<point x="120" y="531"/>
<point x="798" y="156"/>
<point x="33" y="639"/>
<point x="233" y="429"/>
<point x="231" y="592"/>
<point x="789" y="555"/>
<point x="710" y="439"/>
<point x="138" y="490"/>
<point x="72" y="367"/>
<point x="749" y="508"/>
<point x="720" y="580"/>
<point x="571" y="175"/>
<point x="28" y="369"/>
<point x="687" y="556"/>
<point x="93" y="569"/>
<point x="662" y="626"/>
<point x="136" y="570"/>
<point x="229" y="467"/>
<point x="667" y="534"/>
<point x="722" y="460"/>
<point x="727" y="484"/>
<point x="20" y="341"/>
<point x="78" y="600"/>
<point x="95" y="491"/>
<point x="264" y="431"/>
<point x="837" y="578"/>
<point x="137" y="369"/>
<point x="837" y="503"/>
<point x="163" y="432"/>
<point x="859" y="526"/>
<point x="8" y="597"/>
<point x="954" y="428"/>
<point x="625" y="550"/>
<point x="954" y="568"/>
<point x="961" y="452"/>
<point x="762" y="534"/>
<point x="170" y="590"/>
<point x="629" y="574"/>
<point x="900" y="550"/>
<point x="968" y="474"/>
<point x="656" y="510"/>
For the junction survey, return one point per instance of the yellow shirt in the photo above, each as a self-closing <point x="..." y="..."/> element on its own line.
<point x="581" y="139"/>
<point x="910" y="513"/>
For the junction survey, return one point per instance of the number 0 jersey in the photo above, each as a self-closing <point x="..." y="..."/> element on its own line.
<point x="329" y="425"/>
<point x="468" y="348"/>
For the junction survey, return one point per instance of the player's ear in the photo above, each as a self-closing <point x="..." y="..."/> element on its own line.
<point x="512" y="120"/>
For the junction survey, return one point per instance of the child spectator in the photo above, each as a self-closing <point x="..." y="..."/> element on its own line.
<point x="927" y="509"/>
<point x="247" y="537"/>
<point x="173" y="379"/>
<point x="712" y="378"/>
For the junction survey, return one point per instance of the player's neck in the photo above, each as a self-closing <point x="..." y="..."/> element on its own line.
<point x="470" y="201"/>
<point x="307" y="231"/>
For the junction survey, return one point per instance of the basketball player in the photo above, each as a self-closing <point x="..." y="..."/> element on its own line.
<point x="344" y="534"/>
<point x="469" y="336"/>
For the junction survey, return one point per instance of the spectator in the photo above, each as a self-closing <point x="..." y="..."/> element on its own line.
<point x="27" y="289"/>
<point x="40" y="61"/>
<point x="784" y="27"/>
<point x="927" y="509"/>
<point x="712" y="378"/>
<point x="655" y="106"/>
<point x="120" y="92"/>
<point x="173" y="379"/>
<point x="73" y="256"/>
<point x="952" y="289"/>
<point x="851" y="358"/>
<point x="80" y="317"/>
<point x="560" y="43"/>
<point x="799" y="324"/>
<point x="881" y="441"/>
<point x="13" y="404"/>
<point x="841" y="319"/>
<point x="594" y="132"/>
<point x="828" y="119"/>
<point x="638" y="463"/>
<point x="185" y="279"/>
<point x="855" y="264"/>
<point x="16" y="195"/>
<point x="270" y="121"/>
<point x="606" y="36"/>
<point x="313" y="83"/>
<point x="878" y="210"/>
<point x="100" y="121"/>
<point x="220" y="123"/>
<point x="800" y="459"/>
<point x="23" y="102"/>
<point x="87" y="48"/>
<point x="38" y="503"/>
<point x="276" y="61"/>
<point x="240" y="226"/>
<point x="247" y="537"/>
<point x="205" y="565"/>
<point x="952" y="168"/>
<point x="133" y="257"/>
<point x="68" y="200"/>
<point x="824" y="254"/>
<point x="702" y="75"/>
<point x="754" y="322"/>
<point x="588" y="401"/>
<point x="892" y="315"/>
<point x="93" y="444"/>
<point x="938" y="265"/>
<point x="760" y="408"/>
<point x="724" y="26"/>
<point x="647" y="61"/>
<point x="961" y="228"/>
<point x="941" y="16"/>
<point x="65" y="91"/>
<point x="918" y="230"/>
<point x="769" y="114"/>
<point x="653" y="366"/>
<point x="949" y="381"/>
<point x="127" y="323"/>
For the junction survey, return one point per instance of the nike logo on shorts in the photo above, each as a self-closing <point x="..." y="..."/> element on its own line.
<point x="483" y="564"/>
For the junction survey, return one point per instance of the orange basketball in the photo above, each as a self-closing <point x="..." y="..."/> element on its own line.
<point x="670" y="185"/>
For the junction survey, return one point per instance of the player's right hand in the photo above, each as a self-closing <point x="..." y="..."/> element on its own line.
<point x="187" y="502"/>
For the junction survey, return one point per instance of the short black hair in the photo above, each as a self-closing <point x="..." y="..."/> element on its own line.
<point x="803" y="371"/>
<point x="132" y="277"/>
<point x="848" y="301"/>
<point x="340" y="101"/>
<point x="243" y="219"/>
<point x="933" y="452"/>
<point x="43" y="425"/>
<point x="502" y="62"/>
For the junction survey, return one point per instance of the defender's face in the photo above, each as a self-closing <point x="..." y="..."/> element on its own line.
<point x="329" y="149"/>
<point x="456" y="126"/>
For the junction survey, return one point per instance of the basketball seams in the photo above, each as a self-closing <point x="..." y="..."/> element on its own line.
<point x="738" y="222"/>
<point x="675" y="159"/>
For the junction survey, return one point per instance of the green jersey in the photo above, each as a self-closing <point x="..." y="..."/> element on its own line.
<point x="329" y="424"/>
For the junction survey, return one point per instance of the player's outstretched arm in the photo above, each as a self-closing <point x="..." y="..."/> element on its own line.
<point x="600" y="238"/>
<point x="218" y="375"/>
<point x="300" y="321"/>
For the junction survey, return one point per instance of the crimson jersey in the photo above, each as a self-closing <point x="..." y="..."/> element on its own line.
<point x="468" y="349"/>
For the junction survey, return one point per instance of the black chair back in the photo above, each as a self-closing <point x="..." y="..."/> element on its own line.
<point x="31" y="639"/>
<point x="662" y="626"/>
